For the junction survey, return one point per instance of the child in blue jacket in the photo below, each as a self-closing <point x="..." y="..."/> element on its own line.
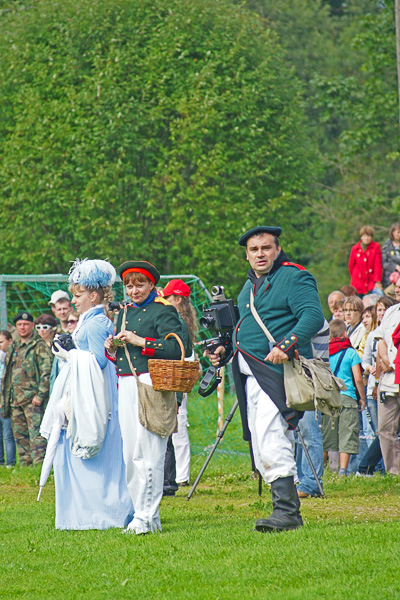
<point x="346" y="364"/>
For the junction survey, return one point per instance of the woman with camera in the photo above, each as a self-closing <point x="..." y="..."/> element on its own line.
<point x="141" y="330"/>
<point x="89" y="471"/>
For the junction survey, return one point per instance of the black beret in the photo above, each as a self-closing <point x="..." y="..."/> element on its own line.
<point x="23" y="316"/>
<point x="139" y="266"/>
<point x="256" y="230"/>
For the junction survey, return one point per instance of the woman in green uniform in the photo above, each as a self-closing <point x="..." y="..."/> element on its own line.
<point x="142" y="328"/>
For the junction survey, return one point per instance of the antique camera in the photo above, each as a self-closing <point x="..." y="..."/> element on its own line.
<point x="220" y="318"/>
<point x="222" y="315"/>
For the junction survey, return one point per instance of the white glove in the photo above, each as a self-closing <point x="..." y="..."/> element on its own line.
<point x="59" y="351"/>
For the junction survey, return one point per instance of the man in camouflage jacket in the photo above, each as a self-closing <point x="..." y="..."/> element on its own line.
<point x="25" y="389"/>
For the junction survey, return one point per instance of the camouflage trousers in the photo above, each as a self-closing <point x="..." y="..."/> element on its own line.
<point x="31" y="445"/>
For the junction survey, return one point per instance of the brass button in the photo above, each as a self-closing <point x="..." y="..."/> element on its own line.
<point x="292" y="338"/>
<point x="247" y="305"/>
<point x="287" y="342"/>
<point x="144" y="310"/>
<point x="283" y="346"/>
<point x="238" y="343"/>
<point x="160" y="345"/>
<point x="121" y="359"/>
<point x="134" y="358"/>
<point x="139" y="319"/>
<point x="148" y="343"/>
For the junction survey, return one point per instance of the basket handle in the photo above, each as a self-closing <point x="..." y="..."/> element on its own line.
<point x="178" y="339"/>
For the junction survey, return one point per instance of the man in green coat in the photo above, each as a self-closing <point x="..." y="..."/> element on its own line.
<point x="286" y="300"/>
<point x="25" y="389"/>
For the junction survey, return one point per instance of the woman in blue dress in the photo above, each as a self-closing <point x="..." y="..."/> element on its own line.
<point x="89" y="471"/>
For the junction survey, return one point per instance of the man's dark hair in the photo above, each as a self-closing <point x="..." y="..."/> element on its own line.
<point x="276" y="239"/>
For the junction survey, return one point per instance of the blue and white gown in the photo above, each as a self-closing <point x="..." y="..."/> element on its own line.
<point x="91" y="490"/>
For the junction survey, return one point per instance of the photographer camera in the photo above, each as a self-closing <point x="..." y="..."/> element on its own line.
<point x="284" y="297"/>
<point x="221" y="317"/>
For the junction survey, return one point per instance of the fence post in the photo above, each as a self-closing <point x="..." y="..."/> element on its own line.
<point x="3" y="305"/>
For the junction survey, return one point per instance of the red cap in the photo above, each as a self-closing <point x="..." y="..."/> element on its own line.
<point x="176" y="287"/>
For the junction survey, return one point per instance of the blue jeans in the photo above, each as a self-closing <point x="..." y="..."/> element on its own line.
<point x="6" y="435"/>
<point x="373" y="411"/>
<point x="312" y="435"/>
<point x="371" y="458"/>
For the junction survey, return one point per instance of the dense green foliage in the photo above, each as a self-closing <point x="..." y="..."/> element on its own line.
<point x="345" y="55"/>
<point x="148" y="129"/>
<point x="208" y="549"/>
<point x="164" y="129"/>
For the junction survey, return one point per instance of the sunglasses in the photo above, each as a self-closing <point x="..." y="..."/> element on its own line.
<point x="44" y="327"/>
<point x="72" y="321"/>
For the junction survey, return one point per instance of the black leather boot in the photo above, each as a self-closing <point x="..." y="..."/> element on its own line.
<point x="286" y="507"/>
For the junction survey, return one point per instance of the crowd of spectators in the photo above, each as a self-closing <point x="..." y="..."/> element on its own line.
<point x="369" y="310"/>
<point x="365" y="320"/>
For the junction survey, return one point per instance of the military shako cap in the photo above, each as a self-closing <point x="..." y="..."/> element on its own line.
<point x="257" y="230"/>
<point x="139" y="266"/>
<point x="23" y="316"/>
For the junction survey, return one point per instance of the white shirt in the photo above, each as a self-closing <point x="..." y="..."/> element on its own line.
<point x="390" y="320"/>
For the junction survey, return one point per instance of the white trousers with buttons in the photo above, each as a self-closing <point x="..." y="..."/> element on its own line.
<point x="144" y="454"/>
<point x="272" y="442"/>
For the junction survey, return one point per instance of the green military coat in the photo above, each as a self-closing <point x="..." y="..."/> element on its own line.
<point x="288" y="305"/>
<point x="153" y="322"/>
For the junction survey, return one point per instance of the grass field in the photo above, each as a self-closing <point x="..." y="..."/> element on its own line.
<point x="349" y="547"/>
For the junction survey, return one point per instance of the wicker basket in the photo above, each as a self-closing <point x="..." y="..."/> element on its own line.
<point x="174" y="375"/>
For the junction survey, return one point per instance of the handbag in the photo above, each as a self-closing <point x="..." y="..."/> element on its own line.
<point x="309" y="382"/>
<point x="157" y="411"/>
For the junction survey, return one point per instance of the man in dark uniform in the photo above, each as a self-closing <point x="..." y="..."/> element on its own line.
<point x="286" y="300"/>
<point x="25" y="388"/>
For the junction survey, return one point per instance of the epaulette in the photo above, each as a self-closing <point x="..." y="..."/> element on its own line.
<point x="162" y="300"/>
<point x="290" y="264"/>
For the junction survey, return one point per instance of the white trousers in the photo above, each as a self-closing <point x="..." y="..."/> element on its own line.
<point x="273" y="444"/>
<point x="181" y="444"/>
<point x="144" y="454"/>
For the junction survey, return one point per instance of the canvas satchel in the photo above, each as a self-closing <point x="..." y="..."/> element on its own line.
<point x="309" y="382"/>
<point x="157" y="411"/>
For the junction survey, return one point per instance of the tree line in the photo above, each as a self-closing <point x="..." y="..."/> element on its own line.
<point x="163" y="130"/>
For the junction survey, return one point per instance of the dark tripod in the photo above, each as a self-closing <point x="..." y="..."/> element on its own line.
<point x="221" y="435"/>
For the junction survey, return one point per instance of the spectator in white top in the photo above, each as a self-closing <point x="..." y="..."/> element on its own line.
<point x="389" y="399"/>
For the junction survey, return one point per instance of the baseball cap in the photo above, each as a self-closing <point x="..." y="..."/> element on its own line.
<point x="176" y="287"/>
<point x="58" y="295"/>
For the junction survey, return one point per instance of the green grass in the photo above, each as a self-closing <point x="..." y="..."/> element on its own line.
<point x="348" y="548"/>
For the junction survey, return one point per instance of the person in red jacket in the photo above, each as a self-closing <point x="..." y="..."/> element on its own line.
<point x="365" y="263"/>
